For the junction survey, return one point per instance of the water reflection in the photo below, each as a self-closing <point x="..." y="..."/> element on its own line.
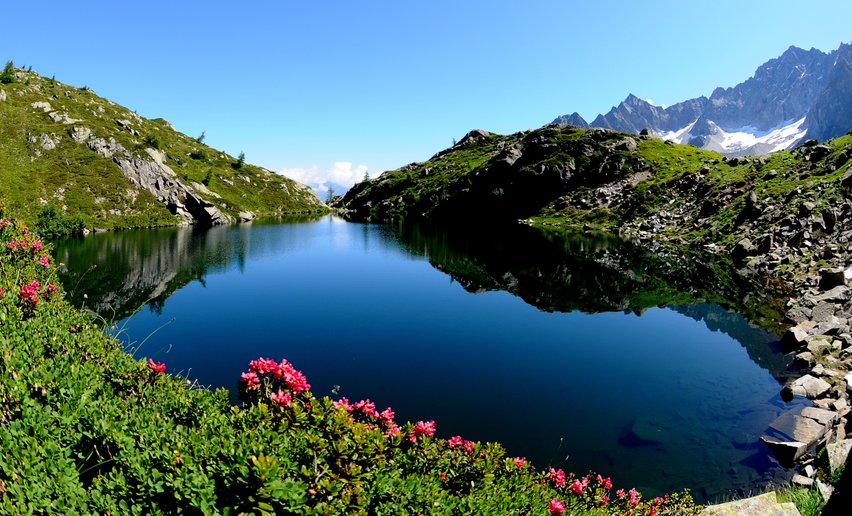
<point x="662" y="400"/>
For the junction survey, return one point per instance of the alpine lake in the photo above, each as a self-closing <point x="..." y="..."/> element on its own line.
<point x="581" y="351"/>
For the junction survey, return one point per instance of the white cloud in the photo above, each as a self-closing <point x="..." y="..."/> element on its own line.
<point x="341" y="174"/>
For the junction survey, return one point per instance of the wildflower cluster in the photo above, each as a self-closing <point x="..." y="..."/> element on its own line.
<point x="268" y="379"/>
<point x="593" y="491"/>
<point x="365" y="412"/>
<point x="157" y="367"/>
<point x="30" y="292"/>
<point x="457" y="442"/>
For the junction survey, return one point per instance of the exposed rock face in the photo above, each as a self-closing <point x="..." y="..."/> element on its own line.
<point x="573" y="119"/>
<point x="764" y="505"/>
<point x="807" y="85"/>
<point x="154" y="175"/>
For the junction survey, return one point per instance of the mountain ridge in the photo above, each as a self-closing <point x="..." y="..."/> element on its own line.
<point x="800" y="95"/>
<point x="85" y="155"/>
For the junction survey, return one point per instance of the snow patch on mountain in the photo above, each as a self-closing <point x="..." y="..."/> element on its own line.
<point x="742" y="140"/>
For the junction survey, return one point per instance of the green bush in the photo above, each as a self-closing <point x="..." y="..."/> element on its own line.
<point x="7" y="76"/>
<point x="53" y="223"/>
<point x="198" y="154"/>
<point x="153" y="141"/>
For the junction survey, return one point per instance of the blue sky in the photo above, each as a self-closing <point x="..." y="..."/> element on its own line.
<point x="319" y="89"/>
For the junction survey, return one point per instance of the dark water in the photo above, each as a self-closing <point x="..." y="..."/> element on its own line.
<point x="582" y="352"/>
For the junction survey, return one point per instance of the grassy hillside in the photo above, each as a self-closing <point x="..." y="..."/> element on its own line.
<point x="61" y="145"/>
<point x="564" y="176"/>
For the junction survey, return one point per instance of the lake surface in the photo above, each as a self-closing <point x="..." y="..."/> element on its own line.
<point x="577" y="352"/>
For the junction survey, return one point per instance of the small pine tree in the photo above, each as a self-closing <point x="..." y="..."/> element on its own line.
<point x="7" y="76"/>
<point x="330" y="194"/>
<point x="366" y="176"/>
<point x="208" y="177"/>
<point x="201" y="137"/>
<point x="241" y="160"/>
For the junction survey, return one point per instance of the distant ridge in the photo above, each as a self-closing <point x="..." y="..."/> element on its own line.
<point x="799" y="95"/>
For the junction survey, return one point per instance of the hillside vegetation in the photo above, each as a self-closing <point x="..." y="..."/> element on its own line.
<point x="68" y="148"/>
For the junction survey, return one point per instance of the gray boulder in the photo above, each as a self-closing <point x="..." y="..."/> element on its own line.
<point x="831" y="277"/>
<point x="810" y="387"/>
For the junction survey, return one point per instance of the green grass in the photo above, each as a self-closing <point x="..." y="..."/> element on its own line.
<point x="808" y="501"/>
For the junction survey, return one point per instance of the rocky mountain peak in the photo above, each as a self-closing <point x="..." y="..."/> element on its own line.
<point x="799" y="95"/>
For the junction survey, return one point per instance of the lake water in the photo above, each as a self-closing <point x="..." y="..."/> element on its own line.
<point x="581" y="353"/>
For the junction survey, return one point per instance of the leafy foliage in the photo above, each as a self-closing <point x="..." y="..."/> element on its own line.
<point x="53" y="223"/>
<point x="7" y="76"/>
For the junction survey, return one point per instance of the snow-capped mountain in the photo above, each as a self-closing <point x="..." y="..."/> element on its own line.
<point x="801" y="94"/>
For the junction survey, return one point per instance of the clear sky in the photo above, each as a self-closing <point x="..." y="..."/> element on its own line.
<point x="319" y="89"/>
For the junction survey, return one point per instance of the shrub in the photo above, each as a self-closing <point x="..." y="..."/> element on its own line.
<point x="199" y="155"/>
<point x="53" y="223"/>
<point x="7" y="76"/>
<point x="153" y="141"/>
<point x="208" y="177"/>
<point x="241" y="159"/>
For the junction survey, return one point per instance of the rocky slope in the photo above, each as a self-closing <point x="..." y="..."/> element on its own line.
<point x="784" y="219"/>
<point x="800" y="95"/>
<point x="68" y="147"/>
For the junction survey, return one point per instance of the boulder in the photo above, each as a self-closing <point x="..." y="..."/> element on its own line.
<point x="838" y="453"/>
<point x="80" y="134"/>
<point x="822" y="311"/>
<point x="2" y="96"/>
<point x="810" y="387"/>
<point x="792" y="427"/>
<point x="794" y="338"/>
<point x="742" y="250"/>
<point x="831" y="277"/>
<point x="763" y="505"/>
<point x="44" y="106"/>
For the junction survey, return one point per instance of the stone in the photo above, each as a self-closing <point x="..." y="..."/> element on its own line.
<point x="831" y="277"/>
<point x="802" y="480"/>
<point x="810" y="471"/>
<point x="742" y="250"/>
<point x="794" y="338"/>
<point x="822" y="416"/>
<point x="804" y="359"/>
<point x="787" y="452"/>
<point x="848" y="380"/>
<point x="247" y="216"/>
<point x="80" y="134"/>
<point x="46" y="142"/>
<point x="838" y="453"/>
<point x="763" y="505"/>
<point x="2" y="96"/>
<point x="822" y="311"/>
<point x="824" y="489"/>
<point x="798" y="428"/>
<point x="44" y="106"/>
<point x="810" y="387"/>
<point x="63" y="118"/>
<point x="818" y="345"/>
<point x="837" y="294"/>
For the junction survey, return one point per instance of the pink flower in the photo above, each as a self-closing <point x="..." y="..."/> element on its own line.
<point x="387" y="416"/>
<point x="604" y="499"/>
<point x="296" y="381"/>
<point x="157" y="367"/>
<point x="652" y="511"/>
<point x="37" y="244"/>
<point x="51" y="287"/>
<point x="262" y="366"/>
<point x="520" y="461"/>
<point x="577" y="487"/>
<point x="454" y="441"/>
<point x="367" y="407"/>
<point x="281" y="398"/>
<point x="344" y="404"/>
<point x="29" y="292"/>
<point x="468" y="446"/>
<point x="634" y="496"/>
<point x="251" y="380"/>
<point x="620" y="493"/>
<point x="557" y="476"/>
<point x="392" y="430"/>
<point x="556" y="506"/>
<point x="657" y="501"/>
<point x="422" y="428"/>
<point x="44" y="260"/>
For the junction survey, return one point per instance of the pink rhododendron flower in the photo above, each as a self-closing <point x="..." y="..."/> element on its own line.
<point x="344" y="404"/>
<point x="51" y="287"/>
<point x="468" y="446"/>
<point x="520" y="461"/>
<point x="29" y="292"/>
<point x="455" y="441"/>
<point x="44" y="260"/>
<point x="620" y="493"/>
<point x="556" y="506"/>
<point x="157" y="367"/>
<point x="387" y="416"/>
<point x="557" y="476"/>
<point x="422" y="428"/>
<point x="367" y="407"/>
<point x="262" y="366"/>
<point x="37" y="244"/>
<point x="296" y="381"/>
<point x="281" y="398"/>
<point x="393" y="429"/>
<point x="652" y="511"/>
<point x="577" y="487"/>
<point x="604" y="499"/>
<point x="251" y="380"/>
<point x="634" y="496"/>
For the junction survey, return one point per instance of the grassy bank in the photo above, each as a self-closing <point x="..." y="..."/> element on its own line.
<point x="87" y="428"/>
